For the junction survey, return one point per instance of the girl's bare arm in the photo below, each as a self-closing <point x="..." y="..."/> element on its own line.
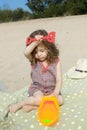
<point x="29" y="49"/>
<point x="58" y="79"/>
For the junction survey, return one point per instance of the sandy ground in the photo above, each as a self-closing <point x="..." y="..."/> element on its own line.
<point x="71" y="35"/>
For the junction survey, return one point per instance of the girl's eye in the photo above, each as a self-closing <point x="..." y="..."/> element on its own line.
<point x="42" y="50"/>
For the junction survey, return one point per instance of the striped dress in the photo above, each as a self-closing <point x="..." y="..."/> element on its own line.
<point x="43" y="78"/>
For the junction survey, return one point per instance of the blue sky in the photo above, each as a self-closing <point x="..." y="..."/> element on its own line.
<point x="13" y="4"/>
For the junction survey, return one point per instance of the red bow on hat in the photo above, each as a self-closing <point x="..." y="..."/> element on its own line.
<point x="50" y="38"/>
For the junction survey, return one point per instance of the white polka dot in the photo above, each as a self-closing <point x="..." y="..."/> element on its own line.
<point x="9" y="114"/>
<point x="14" y="120"/>
<point x="28" y="113"/>
<point x="81" y="107"/>
<point x="79" y="112"/>
<point x="16" y="114"/>
<point x="72" y="110"/>
<point x="5" y="112"/>
<point x="64" y="113"/>
<point x="33" y="116"/>
<point x="86" y="109"/>
<point x="67" y="108"/>
<point x="72" y="122"/>
<point x="75" y="116"/>
<point x="36" y="113"/>
<point x="64" y="125"/>
<point x="68" y="96"/>
<point x="66" y="119"/>
<point x="4" y="98"/>
<point x="26" y="121"/>
<point x="32" y="126"/>
<point x="66" y="99"/>
<point x="58" y="123"/>
<point x="75" y="94"/>
<point x="82" y="119"/>
<point x="18" y="128"/>
<point x="21" y="117"/>
<point x="5" y="126"/>
<point x="73" y="97"/>
<point x="81" y="91"/>
<point x="45" y="128"/>
<point x="2" y="119"/>
<point x="40" y="124"/>
<point x="85" y="93"/>
<point x="14" y="99"/>
<point x="10" y="122"/>
<point x="5" y="103"/>
<point x="79" y="127"/>
<point x="1" y="110"/>
<point x="10" y="96"/>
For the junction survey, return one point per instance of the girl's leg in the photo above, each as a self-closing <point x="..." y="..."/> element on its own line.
<point x="38" y="96"/>
<point x="15" y="107"/>
<point x="60" y="99"/>
<point x="28" y="108"/>
<point x="30" y="101"/>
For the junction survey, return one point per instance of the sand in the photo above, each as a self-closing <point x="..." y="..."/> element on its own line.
<point x="71" y="35"/>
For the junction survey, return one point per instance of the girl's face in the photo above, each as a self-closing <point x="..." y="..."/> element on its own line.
<point x="41" y="53"/>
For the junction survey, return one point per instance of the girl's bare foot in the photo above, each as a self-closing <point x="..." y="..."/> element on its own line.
<point x="28" y="108"/>
<point x="13" y="108"/>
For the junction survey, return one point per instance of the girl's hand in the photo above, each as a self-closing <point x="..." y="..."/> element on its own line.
<point x="38" y="37"/>
<point x="53" y="94"/>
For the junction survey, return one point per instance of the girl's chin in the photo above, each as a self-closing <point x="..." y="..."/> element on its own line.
<point x="41" y="59"/>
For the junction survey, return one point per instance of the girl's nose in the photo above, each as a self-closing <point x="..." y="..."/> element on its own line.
<point x="39" y="54"/>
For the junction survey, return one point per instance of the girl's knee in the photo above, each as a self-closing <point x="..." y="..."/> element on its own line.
<point x="38" y="100"/>
<point x="60" y="100"/>
<point x="37" y="97"/>
<point x="38" y="94"/>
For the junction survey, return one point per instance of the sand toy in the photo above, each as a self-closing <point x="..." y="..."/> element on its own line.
<point x="49" y="111"/>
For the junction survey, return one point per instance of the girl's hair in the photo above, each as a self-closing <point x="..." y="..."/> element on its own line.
<point x="38" y="32"/>
<point x="53" y="51"/>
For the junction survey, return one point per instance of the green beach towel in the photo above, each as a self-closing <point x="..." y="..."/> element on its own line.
<point x="73" y="114"/>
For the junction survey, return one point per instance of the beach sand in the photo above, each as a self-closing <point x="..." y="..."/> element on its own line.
<point x="71" y="35"/>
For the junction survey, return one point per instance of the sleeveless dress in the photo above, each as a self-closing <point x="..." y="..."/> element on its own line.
<point x="43" y="78"/>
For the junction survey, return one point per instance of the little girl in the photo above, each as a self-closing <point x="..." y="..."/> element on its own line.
<point x="46" y="70"/>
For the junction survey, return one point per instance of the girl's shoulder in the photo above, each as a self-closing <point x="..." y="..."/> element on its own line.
<point x="35" y="65"/>
<point x="57" y="60"/>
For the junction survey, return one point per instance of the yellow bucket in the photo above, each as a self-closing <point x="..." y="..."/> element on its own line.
<point x="49" y="111"/>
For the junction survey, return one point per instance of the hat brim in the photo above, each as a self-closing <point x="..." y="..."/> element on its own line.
<point x="76" y="74"/>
